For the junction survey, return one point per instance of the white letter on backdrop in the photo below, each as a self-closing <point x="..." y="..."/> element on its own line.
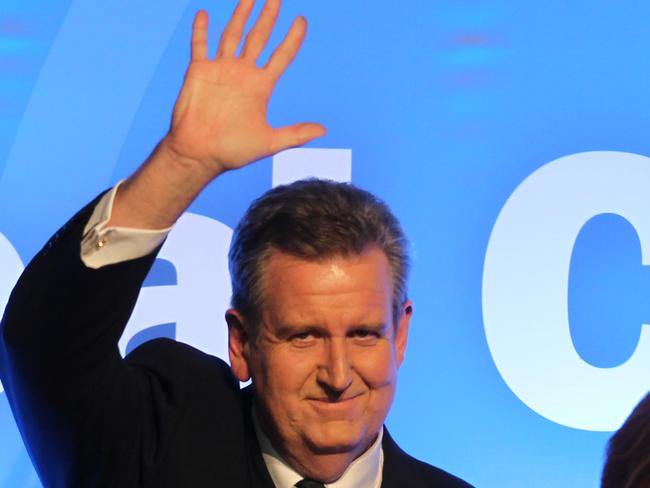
<point x="525" y="287"/>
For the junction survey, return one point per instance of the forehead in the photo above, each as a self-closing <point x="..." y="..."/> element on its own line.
<point x="340" y="286"/>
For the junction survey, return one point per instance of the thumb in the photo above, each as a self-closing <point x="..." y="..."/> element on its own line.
<point x="295" y="135"/>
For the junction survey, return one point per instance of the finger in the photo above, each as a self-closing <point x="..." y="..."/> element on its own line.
<point x="200" y="36"/>
<point x="259" y="35"/>
<point x="295" y="135"/>
<point x="232" y="34"/>
<point x="285" y="53"/>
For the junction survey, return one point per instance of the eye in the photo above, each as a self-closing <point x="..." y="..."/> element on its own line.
<point x="302" y="339"/>
<point x="365" y="336"/>
<point x="361" y="333"/>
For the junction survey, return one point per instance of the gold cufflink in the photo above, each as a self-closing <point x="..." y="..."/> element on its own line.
<point x="101" y="243"/>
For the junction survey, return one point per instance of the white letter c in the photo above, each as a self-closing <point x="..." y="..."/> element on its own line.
<point x="525" y="285"/>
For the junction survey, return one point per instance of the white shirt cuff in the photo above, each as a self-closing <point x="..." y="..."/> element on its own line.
<point x="102" y="245"/>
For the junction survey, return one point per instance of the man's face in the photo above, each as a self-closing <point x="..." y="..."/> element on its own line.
<point x="324" y="363"/>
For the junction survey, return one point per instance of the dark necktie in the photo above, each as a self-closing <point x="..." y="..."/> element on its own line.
<point x="307" y="483"/>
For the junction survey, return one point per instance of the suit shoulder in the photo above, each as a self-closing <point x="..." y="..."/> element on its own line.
<point x="436" y="477"/>
<point x="174" y="362"/>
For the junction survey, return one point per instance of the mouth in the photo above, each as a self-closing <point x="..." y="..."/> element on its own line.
<point x="339" y="405"/>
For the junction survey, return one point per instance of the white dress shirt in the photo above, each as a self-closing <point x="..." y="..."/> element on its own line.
<point x="102" y="245"/>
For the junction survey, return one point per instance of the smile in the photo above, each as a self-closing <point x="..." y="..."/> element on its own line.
<point x="334" y="406"/>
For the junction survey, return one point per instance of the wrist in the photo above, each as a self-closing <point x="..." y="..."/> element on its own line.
<point x="157" y="194"/>
<point x="185" y="168"/>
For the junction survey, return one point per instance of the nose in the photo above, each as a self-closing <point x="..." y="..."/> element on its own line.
<point x="335" y="372"/>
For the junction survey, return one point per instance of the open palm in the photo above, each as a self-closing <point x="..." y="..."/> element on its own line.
<point x="219" y="120"/>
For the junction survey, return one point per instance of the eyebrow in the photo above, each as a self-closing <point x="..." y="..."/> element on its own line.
<point x="380" y="326"/>
<point x="287" y="329"/>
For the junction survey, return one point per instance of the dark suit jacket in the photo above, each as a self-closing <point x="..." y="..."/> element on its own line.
<point x="167" y="415"/>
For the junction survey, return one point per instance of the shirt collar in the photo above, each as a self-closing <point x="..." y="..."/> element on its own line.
<point x="364" y="472"/>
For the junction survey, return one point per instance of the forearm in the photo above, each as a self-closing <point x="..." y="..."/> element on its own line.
<point x="156" y="195"/>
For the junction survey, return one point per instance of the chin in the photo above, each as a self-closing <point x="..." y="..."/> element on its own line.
<point x="337" y="438"/>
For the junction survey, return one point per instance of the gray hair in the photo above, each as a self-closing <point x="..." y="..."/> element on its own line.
<point x="312" y="219"/>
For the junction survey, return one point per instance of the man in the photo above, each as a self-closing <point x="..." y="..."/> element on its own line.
<point x="319" y="319"/>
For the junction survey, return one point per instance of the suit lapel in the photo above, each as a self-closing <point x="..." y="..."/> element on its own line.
<point x="396" y="472"/>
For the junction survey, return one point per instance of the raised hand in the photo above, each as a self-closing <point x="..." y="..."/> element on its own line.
<point x="219" y="119"/>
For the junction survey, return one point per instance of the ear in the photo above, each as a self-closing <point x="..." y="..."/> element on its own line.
<point x="238" y="345"/>
<point x="401" y="337"/>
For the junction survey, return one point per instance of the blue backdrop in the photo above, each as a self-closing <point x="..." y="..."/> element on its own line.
<point x="507" y="136"/>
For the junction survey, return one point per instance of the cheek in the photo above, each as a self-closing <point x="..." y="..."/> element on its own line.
<point x="379" y="373"/>
<point x="377" y="367"/>
<point x="283" y="375"/>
